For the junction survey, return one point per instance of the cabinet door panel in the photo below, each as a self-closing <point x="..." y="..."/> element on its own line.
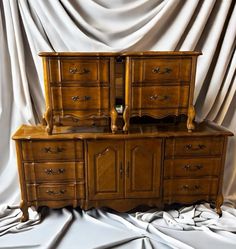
<point x="143" y="165"/>
<point x="105" y="168"/>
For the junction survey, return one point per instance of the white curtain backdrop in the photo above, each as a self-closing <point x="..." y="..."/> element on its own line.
<point x="30" y="26"/>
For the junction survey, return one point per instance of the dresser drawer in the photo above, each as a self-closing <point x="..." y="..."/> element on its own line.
<point x="190" y="187"/>
<point x="194" y="146"/>
<point x="55" y="192"/>
<point x="80" y="98"/>
<point x="49" y="150"/>
<point x="159" y="70"/>
<point x="160" y="97"/>
<point x="51" y="192"/>
<point x="192" y="167"/>
<point x="54" y="171"/>
<point x="79" y="70"/>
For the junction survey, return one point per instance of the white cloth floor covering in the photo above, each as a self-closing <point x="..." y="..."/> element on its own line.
<point x="190" y="227"/>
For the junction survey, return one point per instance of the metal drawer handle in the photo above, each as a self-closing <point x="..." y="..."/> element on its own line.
<point x="158" y="97"/>
<point x="165" y="70"/>
<point x="52" y="192"/>
<point x="77" y="98"/>
<point x="198" y="147"/>
<point x="190" y="188"/>
<point x="53" y="151"/>
<point x="75" y="70"/>
<point x="193" y="167"/>
<point x="54" y="172"/>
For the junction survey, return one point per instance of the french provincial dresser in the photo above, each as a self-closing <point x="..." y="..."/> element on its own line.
<point x="150" y="165"/>
<point x="114" y="134"/>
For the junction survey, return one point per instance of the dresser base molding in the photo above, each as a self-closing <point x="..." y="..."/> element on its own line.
<point x="151" y="165"/>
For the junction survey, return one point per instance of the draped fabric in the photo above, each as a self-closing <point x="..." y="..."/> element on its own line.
<point x="30" y="26"/>
<point x="192" y="227"/>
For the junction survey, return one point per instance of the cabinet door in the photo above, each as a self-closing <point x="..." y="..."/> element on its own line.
<point x="143" y="168"/>
<point x="105" y="169"/>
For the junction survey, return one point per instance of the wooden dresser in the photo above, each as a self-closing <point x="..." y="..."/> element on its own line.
<point x="153" y="164"/>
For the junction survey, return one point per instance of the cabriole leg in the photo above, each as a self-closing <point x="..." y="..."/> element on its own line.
<point x="191" y="116"/>
<point x="48" y="118"/>
<point x="126" y="119"/>
<point x="114" y="116"/>
<point x="219" y="202"/>
<point x="24" y="209"/>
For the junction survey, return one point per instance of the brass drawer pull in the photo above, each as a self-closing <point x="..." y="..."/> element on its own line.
<point x="190" y="188"/>
<point x="52" y="192"/>
<point x="193" y="167"/>
<point x="84" y="98"/>
<point x="54" y="172"/>
<point x="53" y="151"/>
<point x="75" y="70"/>
<point x="198" y="147"/>
<point x="158" y="97"/>
<point x="165" y="70"/>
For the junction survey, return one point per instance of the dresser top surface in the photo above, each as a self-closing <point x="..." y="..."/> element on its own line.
<point x="124" y="53"/>
<point x="136" y="131"/>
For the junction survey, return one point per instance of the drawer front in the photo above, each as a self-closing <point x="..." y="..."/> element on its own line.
<point x="80" y="98"/>
<point x="54" y="171"/>
<point x="90" y="122"/>
<point x="194" y="146"/>
<point x="52" y="150"/>
<point x="51" y="192"/>
<point x="190" y="187"/>
<point x="55" y="192"/>
<point x="192" y="167"/>
<point x="153" y="97"/>
<point x="79" y="70"/>
<point x="157" y="70"/>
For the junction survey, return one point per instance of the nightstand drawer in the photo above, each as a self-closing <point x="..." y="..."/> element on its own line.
<point x="153" y="97"/>
<point x="194" y="146"/>
<point x="79" y="70"/>
<point x="55" y="150"/>
<point x="192" y="167"/>
<point x="190" y="187"/>
<point x="54" y="171"/>
<point x="80" y="98"/>
<point x="157" y="70"/>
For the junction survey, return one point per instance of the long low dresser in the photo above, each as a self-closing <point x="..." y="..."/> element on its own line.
<point x="153" y="165"/>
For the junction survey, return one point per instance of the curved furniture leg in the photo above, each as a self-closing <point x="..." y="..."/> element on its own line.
<point x="219" y="202"/>
<point x="48" y="118"/>
<point x="44" y="122"/>
<point x="191" y="116"/>
<point x="126" y="119"/>
<point x="114" y="116"/>
<point x="24" y="209"/>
